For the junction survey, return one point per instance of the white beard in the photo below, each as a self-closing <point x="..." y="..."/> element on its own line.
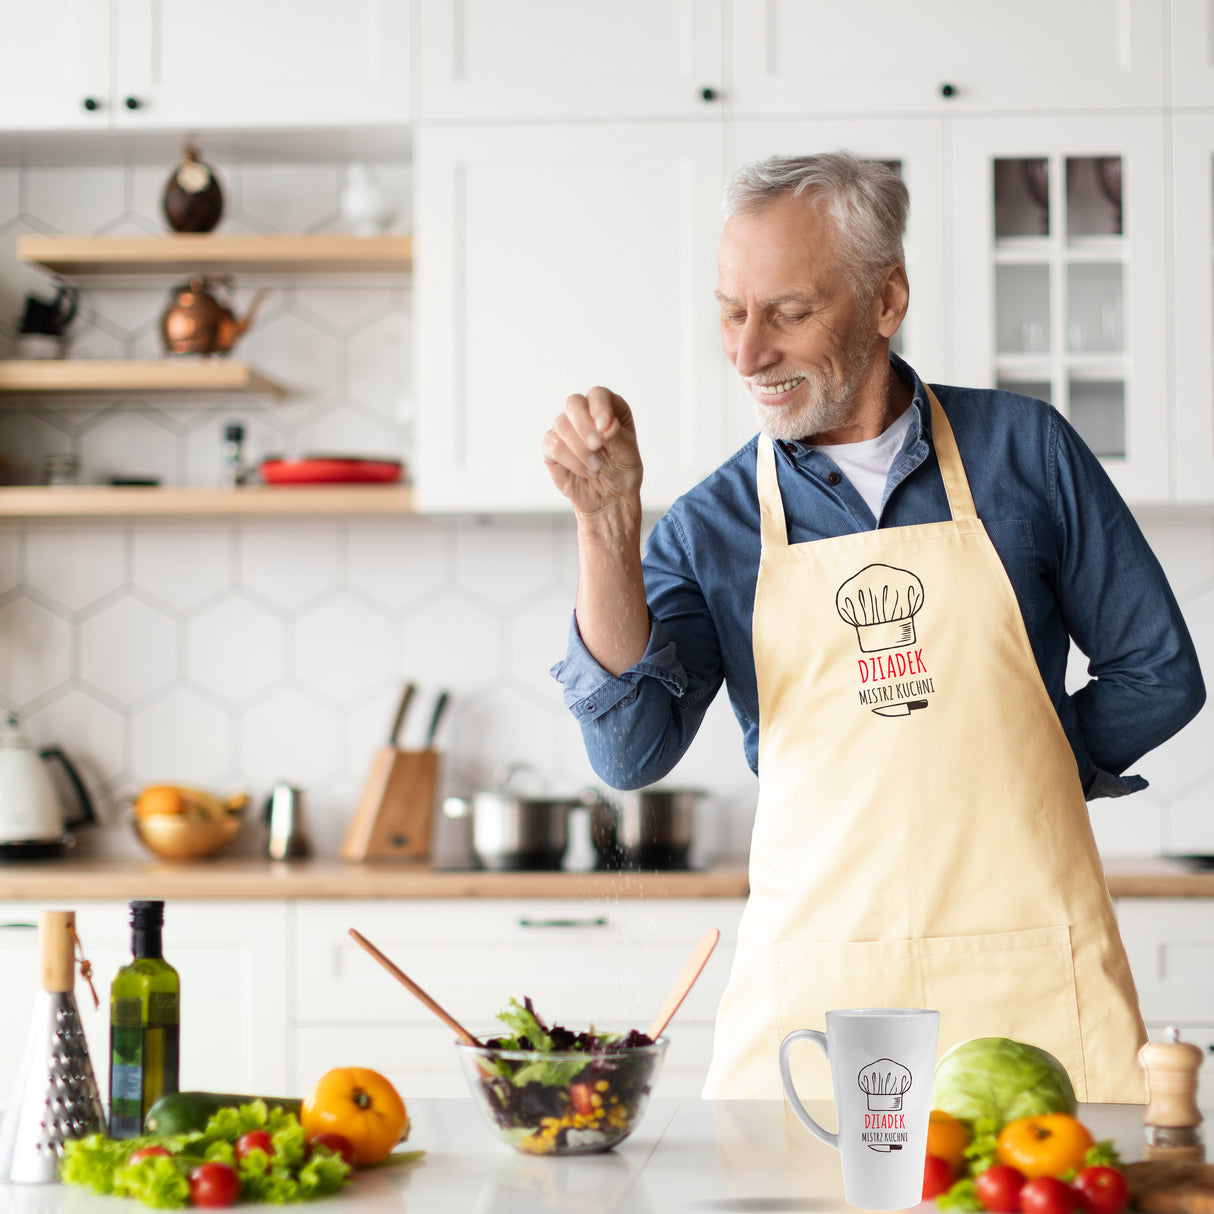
<point x="828" y="402"/>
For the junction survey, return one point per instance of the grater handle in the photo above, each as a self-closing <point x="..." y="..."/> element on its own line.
<point x="57" y="940"/>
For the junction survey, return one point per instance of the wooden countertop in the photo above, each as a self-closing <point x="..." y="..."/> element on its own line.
<point x="239" y="879"/>
<point x="255" y="879"/>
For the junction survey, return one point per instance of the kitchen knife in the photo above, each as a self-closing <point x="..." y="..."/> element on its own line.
<point x="899" y="710"/>
<point x="440" y="706"/>
<point x="885" y="1146"/>
<point x="402" y="708"/>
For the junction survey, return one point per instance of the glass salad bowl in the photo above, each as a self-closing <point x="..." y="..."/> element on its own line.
<point x="576" y="1103"/>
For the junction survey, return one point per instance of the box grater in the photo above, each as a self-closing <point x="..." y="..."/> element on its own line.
<point x="55" y="1097"/>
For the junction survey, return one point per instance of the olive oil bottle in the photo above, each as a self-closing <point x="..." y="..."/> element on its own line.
<point x="144" y="1025"/>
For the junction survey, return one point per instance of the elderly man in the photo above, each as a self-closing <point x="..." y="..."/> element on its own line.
<point x="888" y="579"/>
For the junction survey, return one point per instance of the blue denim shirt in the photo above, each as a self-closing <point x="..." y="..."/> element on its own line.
<point x="1076" y="558"/>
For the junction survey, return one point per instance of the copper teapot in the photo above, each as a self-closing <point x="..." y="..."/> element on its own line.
<point x="195" y="322"/>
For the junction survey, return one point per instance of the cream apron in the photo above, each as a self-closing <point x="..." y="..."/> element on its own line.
<point x="921" y="838"/>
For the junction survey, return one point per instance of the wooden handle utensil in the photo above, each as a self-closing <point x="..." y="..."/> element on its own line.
<point x="685" y="981"/>
<point x="408" y="983"/>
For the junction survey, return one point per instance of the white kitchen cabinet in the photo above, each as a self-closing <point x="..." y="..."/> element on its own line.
<point x="1193" y="313"/>
<point x="169" y="64"/>
<point x="607" y="963"/>
<point x="231" y="957"/>
<point x="1059" y="278"/>
<point x="1192" y="53"/>
<point x="1170" y="944"/>
<point x="915" y="147"/>
<point x="549" y="259"/>
<point x="950" y="56"/>
<point x="481" y="60"/>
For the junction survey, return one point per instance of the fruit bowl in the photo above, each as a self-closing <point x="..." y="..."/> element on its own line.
<point x="598" y="1102"/>
<point x="184" y="836"/>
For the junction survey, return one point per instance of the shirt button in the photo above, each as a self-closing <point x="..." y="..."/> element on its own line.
<point x="589" y="707"/>
<point x="834" y="478"/>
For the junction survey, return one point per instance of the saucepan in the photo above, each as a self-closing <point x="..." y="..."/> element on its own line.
<point x="651" y="828"/>
<point x="515" y="830"/>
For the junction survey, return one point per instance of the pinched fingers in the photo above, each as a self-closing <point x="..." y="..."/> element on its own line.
<point x="574" y="442"/>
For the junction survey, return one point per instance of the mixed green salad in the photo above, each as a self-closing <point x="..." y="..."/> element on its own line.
<point x="169" y="1170"/>
<point x="553" y="1090"/>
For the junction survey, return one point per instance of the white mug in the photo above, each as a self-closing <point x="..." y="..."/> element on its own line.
<point x="881" y="1066"/>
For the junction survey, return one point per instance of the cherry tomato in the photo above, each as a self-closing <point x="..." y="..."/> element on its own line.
<point x="147" y="1153"/>
<point x="999" y="1188"/>
<point x="254" y="1140"/>
<point x="1104" y="1190"/>
<point x="581" y="1096"/>
<point x="938" y="1177"/>
<point x="335" y="1142"/>
<point x="1044" y="1146"/>
<point x="1048" y="1195"/>
<point x="214" y="1184"/>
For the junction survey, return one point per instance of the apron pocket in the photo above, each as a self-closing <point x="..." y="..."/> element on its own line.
<point x="999" y="984"/>
<point x="1008" y="984"/>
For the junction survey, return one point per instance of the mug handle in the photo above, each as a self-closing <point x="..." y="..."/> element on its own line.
<point x="831" y="1140"/>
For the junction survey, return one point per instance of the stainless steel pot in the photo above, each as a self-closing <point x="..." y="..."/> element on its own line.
<point x="514" y="831"/>
<point x="651" y="828"/>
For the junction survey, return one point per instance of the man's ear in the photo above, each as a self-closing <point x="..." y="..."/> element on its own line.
<point x="891" y="301"/>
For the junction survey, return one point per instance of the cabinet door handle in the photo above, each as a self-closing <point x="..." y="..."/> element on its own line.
<point x="91" y="104"/>
<point x="132" y="103"/>
<point x="598" y="921"/>
<point x="948" y="90"/>
<point x="708" y="93"/>
<point x="33" y="927"/>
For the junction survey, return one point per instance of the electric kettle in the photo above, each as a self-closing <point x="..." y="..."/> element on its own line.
<point x="33" y="824"/>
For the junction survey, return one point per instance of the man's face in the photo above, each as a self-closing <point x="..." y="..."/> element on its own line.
<point x="790" y="323"/>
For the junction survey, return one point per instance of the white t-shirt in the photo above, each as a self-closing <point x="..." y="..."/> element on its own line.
<point x="867" y="464"/>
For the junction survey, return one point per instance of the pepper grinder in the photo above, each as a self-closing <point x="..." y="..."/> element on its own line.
<point x="1172" y="1116"/>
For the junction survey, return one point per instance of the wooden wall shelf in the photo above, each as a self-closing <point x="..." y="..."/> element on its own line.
<point x="79" y="256"/>
<point x="76" y="375"/>
<point x="101" y="501"/>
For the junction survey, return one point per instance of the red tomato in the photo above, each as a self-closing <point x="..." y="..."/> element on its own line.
<point x="581" y="1096"/>
<point x="335" y="1142"/>
<point x="254" y="1140"/>
<point x="1104" y="1190"/>
<point x="1048" y="1195"/>
<point x="146" y="1153"/>
<point x="214" y="1184"/>
<point x="938" y="1177"/>
<point x="999" y="1188"/>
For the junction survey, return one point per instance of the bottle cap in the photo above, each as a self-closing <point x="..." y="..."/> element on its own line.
<point x="233" y="433"/>
<point x="147" y="914"/>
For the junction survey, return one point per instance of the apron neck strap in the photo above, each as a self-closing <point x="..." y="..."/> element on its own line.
<point x="773" y="525"/>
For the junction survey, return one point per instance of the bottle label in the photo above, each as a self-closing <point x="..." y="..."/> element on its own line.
<point x="162" y="1007"/>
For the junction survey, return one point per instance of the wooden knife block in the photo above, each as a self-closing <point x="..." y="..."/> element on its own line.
<point x="396" y="809"/>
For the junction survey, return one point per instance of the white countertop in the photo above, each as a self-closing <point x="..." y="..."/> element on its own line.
<point x="745" y="1156"/>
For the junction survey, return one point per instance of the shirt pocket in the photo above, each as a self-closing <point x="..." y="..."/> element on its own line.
<point x="1018" y="984"/>
<point x="1013" y="540"/>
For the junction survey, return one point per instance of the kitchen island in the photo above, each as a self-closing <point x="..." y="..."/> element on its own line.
<point x="689" y="1155"/>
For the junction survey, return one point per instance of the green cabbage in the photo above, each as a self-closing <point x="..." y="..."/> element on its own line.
<point x="997" y="1079"/>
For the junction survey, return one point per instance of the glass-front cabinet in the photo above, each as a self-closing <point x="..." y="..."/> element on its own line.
<point x="1059" y="287"/>
<point x="1193" y="228"/>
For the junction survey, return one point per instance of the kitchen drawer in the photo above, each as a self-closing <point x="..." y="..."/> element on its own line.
<point x="421" y="1060"/>
<point x="1170" y="944"/>
<point x="579" y="961"/>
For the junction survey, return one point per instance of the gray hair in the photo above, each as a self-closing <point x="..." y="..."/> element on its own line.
<point x="867" y="201"/>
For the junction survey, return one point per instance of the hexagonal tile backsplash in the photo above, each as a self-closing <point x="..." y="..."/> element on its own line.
<point x="237" y="653"/>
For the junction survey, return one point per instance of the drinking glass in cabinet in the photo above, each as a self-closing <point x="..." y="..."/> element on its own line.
<point x="1022" y="309"/>
<point x="1022" y="197"/>
<point x="1097" y="411"/>
<point x="1094" y="295"/>
<point x="1093" y="195"/>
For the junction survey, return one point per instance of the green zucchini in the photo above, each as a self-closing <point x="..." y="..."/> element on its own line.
<point x="182" y="1112"/>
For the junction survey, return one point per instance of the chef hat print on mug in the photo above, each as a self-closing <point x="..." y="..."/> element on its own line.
<point x="881" y="602"/>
